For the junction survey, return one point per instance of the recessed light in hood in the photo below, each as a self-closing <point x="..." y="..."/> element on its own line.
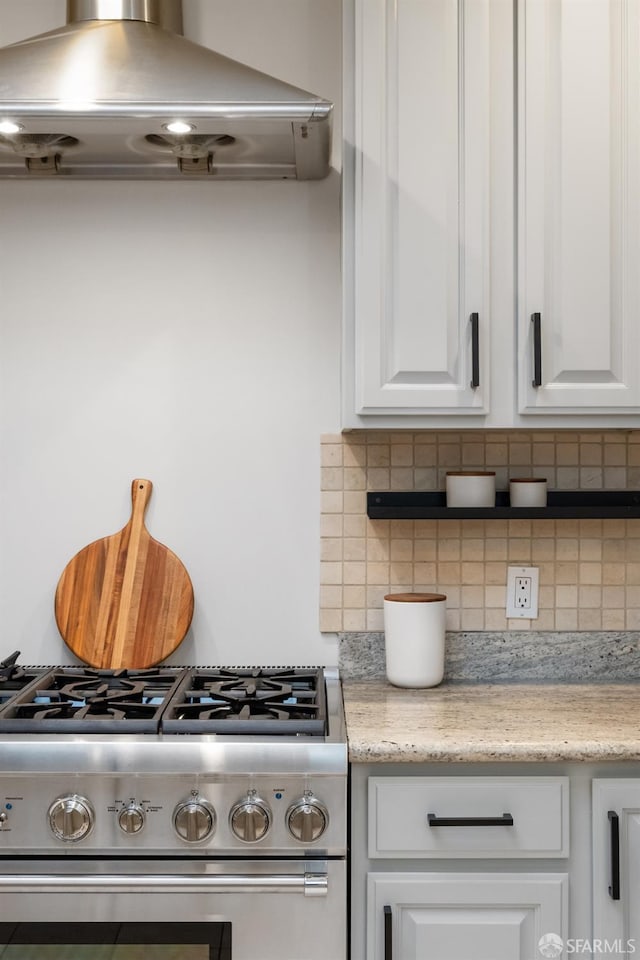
<point x="99" y="98"/>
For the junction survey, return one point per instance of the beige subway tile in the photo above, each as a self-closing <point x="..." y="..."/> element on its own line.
<point x="331" y="548"/>
<point x="378" y="573"/>
<point x="375" y="620"/>
<point x="424" y="572"/>
<point x="401" y="529"/>
<point x="449" y="550"/>
<point x="401" y="574"/>
<point x="354" y="455"/>
<point x="354" y="620"/>
<point x="378" y="551"/>
<point x="591" y="478"/>
<point x="354" y="572"/>
<point x="473" y="455"/>
<point x="633" y="456"/>
<point x="567" y="548"/>
<point x="566" y="572"/>
<point x="519" y="551"/>
<point x="472" y="619"/>
<point x="331" y="455"/>
<point x="519" y="528"/>
<point x="425" y="551"/>
<point x="472" y="596"/>
<point x="615" y="478"/>
<point x="380" y="529"/>
<point x="521" y="626"/>
<point x="355" y="502"/>
<point x="354" y="479"/>
<point x="614" y="529"/>
<point x="355" y="526"/>
<point x="401" y="478"/>
<point x="378" y="479"/>
<point x="497" y="455"/>
<point x="495" y="596"/>
<point x="497" y="530"/>
<point x="376" y="594"/>
<point x="546" y="573"/>
<point x="613" y="598"/>
<point x="331" y="438"/>
<point x="496" y="573"/>
<point x="355" y="548"/>
<point x="331" y="525"/>
<point x="590" y="528"/>
<point x="542" y="549"/>
<point x="355" y="597"/>
<point x="496" y="549"/>
<point x="546" y="596"/>
<point x="425" y="586"/>
<point x="589" y="573"/>
<point x="401" y="454"/>
<point x="425" y="478"/>
<point x="450" y="455"/>
<point x="449" y="572"/>
<point x="426" y="455"/>
<point x="331" y="501"/>
<point x="330" y="572"/>
<point x="567" y="454"/>
<point x="495" y="619"/>
<point x="633" y="574"/>
<point x="589" y="597"/>
<point x="545" y="621"/>
<point x="543" y="454"/>
<point x="472" y="573"/>
<point x="519" y="454"/>
<point x="331" y="597"/>
<point x="567" y="596"/>
<point x="614" y="619"/>
<point x="566" y="619"/>
<point x="590" y="454"/>
<point x="591" y="549"/>
<point x="472" y="549"/>
<point x="401" y="550"/>
<point x="613" y="550"/>
<point x="330" y="621"/>
<point x="449" y="529"/>
<point x="614" y="573"/>
<point x="632" y="551"/>
<point x="589" y="619"/>
<point x="378" y="455"/>
<point x="452" y="619"/>
<point x="633" y="596"/>
<point x="472" y="529"/>
<point x="425" y="529"/>
<point x="567" y="478"/>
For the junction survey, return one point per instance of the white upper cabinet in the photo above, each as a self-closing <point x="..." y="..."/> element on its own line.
<point x="579" y="205"/>
<point x="421" y="231"/>
<point x="492" y="170"/>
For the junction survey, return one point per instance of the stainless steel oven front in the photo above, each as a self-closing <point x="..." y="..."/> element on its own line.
<point x="124" y="909"/>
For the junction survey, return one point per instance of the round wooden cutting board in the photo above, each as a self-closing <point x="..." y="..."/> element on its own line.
<point x="125" y="601"/>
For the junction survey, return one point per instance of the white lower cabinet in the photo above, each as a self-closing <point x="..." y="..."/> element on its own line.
<point x="464" y="916"/>
<point x="616" y="865"/>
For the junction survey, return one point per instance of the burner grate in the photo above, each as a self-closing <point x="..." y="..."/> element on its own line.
<point x="248" y="701"/>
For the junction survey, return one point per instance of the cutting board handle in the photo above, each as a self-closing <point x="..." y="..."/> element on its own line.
<point x="140" y="496"/>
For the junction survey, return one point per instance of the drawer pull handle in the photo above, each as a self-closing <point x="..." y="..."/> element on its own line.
<point x="388" y="934"/>
<point x="506" y="820"/>
<point x="475" y="352"/>
<point x="614" y="822"/>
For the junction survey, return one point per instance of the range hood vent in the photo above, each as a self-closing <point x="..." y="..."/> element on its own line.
<point x="119" y="93"/>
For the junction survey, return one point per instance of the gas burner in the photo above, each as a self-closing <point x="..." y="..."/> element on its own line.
<point x="91" y="701"/>
<point x="14" y="678"/>
<point x="245" y="701"/>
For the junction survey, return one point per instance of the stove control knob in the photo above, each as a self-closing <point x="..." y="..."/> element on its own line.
<point x="307" y="819"/>
<point x="131" y="819"/>
<point x="250" y="819"/>
<point x="194" y="820"/>
<point x="71" y="818"/>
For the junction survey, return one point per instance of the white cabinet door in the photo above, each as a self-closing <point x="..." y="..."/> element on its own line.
<point x="579" y="206"/>
<point x="465" y="916"/>
<point x="421" y="226"/>
<point x="616" y="865"/>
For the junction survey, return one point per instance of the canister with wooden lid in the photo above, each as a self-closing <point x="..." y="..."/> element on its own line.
<point x="414" y="630"/>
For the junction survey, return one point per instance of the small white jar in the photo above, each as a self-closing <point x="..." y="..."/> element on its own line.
<point x="528" y="492"/>
<point x="414" y="630"/>
<point x="471" y="488"/>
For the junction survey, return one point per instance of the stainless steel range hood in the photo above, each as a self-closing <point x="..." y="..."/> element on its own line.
<point x="101" y="97"/>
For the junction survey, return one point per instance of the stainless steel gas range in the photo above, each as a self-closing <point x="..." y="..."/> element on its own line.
<point x="179" y="813"/>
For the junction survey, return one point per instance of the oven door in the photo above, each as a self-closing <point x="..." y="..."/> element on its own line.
<point x="111" y="909"/>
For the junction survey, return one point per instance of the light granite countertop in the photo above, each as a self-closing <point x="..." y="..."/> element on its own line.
<point x="485" y="722"/>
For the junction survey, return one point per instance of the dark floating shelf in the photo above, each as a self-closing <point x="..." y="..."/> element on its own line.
<point x="561" y="505"/>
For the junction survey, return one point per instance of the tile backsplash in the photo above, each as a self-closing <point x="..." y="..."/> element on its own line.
<point x="589" y="569"/>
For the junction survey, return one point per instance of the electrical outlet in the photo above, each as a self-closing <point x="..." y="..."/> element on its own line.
<point x="522" y="593"/>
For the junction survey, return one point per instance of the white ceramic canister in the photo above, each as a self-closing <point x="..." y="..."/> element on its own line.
<point x="471" y="488"/>
<point x="528" y="492"/>
<point x="414" y="628"/>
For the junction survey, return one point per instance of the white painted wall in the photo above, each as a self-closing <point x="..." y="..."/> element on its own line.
<point x="188" y="333"/>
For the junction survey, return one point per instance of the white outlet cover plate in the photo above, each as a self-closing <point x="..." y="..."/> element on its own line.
<point x="518" y="613"/>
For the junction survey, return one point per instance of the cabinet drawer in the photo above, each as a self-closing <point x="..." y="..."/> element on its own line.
<point x="468" y="817"/>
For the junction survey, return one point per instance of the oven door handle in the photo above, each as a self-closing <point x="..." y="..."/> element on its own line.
<point x="309" y="884"/>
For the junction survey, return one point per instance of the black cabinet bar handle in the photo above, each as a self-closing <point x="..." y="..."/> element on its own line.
<point x="506" y="820"/>
<point x="614" y="826"/>
<point x="537" y="350"/>
<point x="475" y="351"/>
<point x="388" y="931"/>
